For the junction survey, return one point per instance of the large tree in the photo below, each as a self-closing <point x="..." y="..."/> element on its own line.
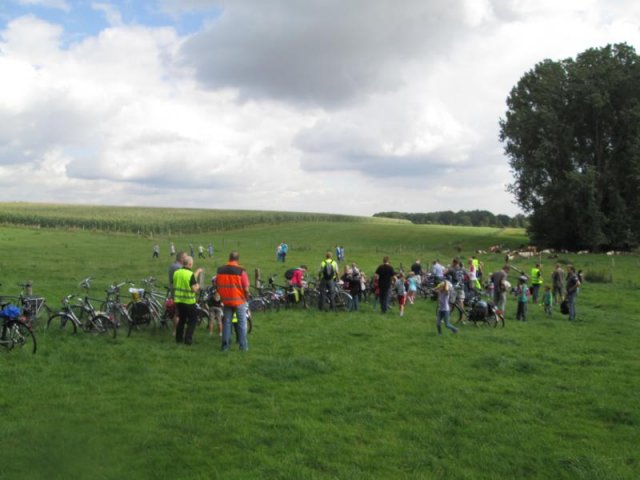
<point x="572" y="136"/>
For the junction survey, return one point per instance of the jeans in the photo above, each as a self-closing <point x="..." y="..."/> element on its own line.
<point x="571" y="300"/>
<point x="355" y="306"/>
<point x="227" y="313"/>
<point x="444" y="315"/>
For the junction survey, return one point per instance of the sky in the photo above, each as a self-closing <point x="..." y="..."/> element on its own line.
<point x="330" y="106"/>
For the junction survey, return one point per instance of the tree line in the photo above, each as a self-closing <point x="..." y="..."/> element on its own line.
<point x="473" y="218"/>
<point x="572" y="136"/>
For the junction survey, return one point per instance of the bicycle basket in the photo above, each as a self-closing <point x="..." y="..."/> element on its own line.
<point x="136" y="293"/>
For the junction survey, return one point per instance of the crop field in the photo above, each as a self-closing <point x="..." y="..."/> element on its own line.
<point x="356" y="395"/>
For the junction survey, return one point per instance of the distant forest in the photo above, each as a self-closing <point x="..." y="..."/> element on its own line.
<point x="474" y="218"/>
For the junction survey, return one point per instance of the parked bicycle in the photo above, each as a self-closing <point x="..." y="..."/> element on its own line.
<point x="81" y="315"/>
<point x="67" y="321"/>
<point x="343" y="299"/>
<point x="33" y="307"/>
<point x="17" y="331"/>
<point x="481" y="311"/>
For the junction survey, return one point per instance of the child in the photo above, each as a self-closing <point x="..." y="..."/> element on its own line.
<point x="522" y="292"/>
<point x="216" y="310"/>
<point x="401" y="292"/>
<point x="413" y="287"/>
<point x="444" y="310"/>
<point x="547" y="300"/>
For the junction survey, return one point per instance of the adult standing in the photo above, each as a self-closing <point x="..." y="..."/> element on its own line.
<point x="557" y="284"/>
<point x="536" y="282"/>
<point x="385" y="274"/>
<point x="499" y="280"/>
<point x="210" y="249"/>
<point x="416" y="268"/>
<point x="573" y="284"/>
<point x="437" y="269"/>
<point x="232" y="283"/>
<point x="328" y="275"/>
<point x="177" y="265"/>
<point x="172" y="250"/>
<point x="185" y="287"/>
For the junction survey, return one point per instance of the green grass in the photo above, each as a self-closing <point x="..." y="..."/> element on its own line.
<point x="322" y="395"/>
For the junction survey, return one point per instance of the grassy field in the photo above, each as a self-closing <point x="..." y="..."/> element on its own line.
<point x="356" y="395"/>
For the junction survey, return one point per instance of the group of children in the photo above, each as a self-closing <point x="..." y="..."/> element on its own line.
<point x="523" y="292"/>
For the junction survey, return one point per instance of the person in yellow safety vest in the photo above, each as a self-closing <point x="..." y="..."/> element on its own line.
<point x="185" y="287"/>
<point x="328" y="275"/>
<point x="536" y="282"/>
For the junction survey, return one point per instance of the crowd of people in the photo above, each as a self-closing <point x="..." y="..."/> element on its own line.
<point x="453" y="282"/>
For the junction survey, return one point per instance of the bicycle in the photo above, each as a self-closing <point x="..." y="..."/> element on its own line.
<point x="16" y="330"/>
<point x="113" y="307"/>
<point x="483" y="311"/>
<point x="32" y="306"/>
<point x="66" y="321"/>
<point x="343" y="299"/>
<point x="145" y="310"/>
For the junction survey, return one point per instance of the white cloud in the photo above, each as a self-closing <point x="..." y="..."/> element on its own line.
<point x="111" y="13"/>
<point x="352" y="107"/>
<point x="56" y="4"/>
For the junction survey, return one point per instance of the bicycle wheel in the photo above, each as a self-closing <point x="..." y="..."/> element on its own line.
<point x="499" y="319"/>
<point x="257" y="305"/>
<point x="18" y="335"/>
<point x="344" y="301"/>
<point x="101" y="324"/>
<point x="203" y="316"/>
<point x="311" y="298"/>
<point x="61" y="323"/>
<point x="249" y="324"/>
<point x="457" y="313"/>
<point x="79" y="312"/>
<point x="491" y="319"/>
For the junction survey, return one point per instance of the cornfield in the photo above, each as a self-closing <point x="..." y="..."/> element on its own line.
<point x="154" y="221"/>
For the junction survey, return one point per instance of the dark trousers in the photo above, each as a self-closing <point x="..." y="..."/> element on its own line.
<point x="327" y="287"/>
<point x="187" y="316"/>
<point x="384" y="298"/>
<point x="521" y="314"/>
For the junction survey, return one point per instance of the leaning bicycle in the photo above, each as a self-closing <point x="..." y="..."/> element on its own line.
<point x="17" y="332"/>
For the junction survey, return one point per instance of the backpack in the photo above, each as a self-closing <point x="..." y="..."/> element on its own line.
<point x="289" y="273"/>
<point x="327" y="270"/>
<point x="564" y="307"/>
